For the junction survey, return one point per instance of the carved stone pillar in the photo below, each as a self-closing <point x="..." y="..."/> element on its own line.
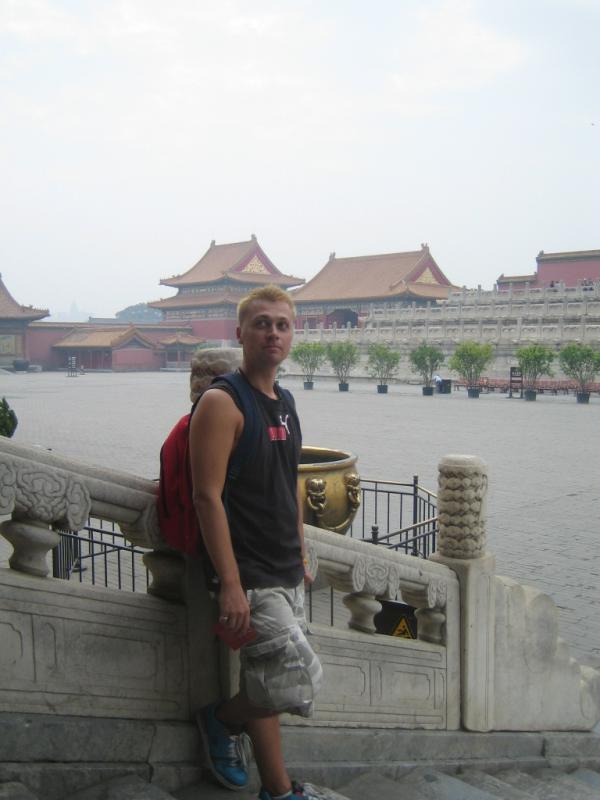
<point x="461" y="546"/>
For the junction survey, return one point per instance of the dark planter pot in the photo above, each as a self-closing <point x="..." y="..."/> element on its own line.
<point x="472" y="392"/>
<point x="583" y="397"/>
<point x="343" y="387"/>
<point x="428" y="391"/>
<point x="382" y="388"/>
<point x="530" y="394"/>
<point x="308" y="385"/>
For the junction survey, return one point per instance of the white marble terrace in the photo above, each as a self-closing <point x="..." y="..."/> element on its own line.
<point x="488" y="655"/>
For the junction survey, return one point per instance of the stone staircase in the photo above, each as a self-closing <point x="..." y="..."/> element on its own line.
<point x="357" y="763"/>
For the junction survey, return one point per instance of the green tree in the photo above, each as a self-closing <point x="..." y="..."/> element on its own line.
<point x="534" y="360"/>
<point x="382" y="363"/>
<point x="426" y="360"/>
<point x="310" y="356"/>
<point x="342" y="356"/>
<point x="469" y="360"/>
<point x="580" y="363"/>
<point x="8" y="419"/>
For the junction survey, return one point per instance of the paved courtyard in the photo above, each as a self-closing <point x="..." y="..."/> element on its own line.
<point x="544" y="468"/>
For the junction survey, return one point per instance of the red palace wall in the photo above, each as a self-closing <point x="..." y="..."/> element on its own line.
<point x="136" y="358"/>
<point x="39" y="345"/>
<point x="570" y="272"/>
<point x="214" y="328"/>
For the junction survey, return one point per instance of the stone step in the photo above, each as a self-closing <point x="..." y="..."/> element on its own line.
<point x="130" y="787"/>
<point x="419" y="784"/>
<point x="13" y="790"/>
<point x="493" y="785"/>
<point x="547" y="784"/>
<point x="587" y="776"/>
<point x="570" y="786"/>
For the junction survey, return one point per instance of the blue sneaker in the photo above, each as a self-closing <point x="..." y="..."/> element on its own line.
<point x="227" y="756"/>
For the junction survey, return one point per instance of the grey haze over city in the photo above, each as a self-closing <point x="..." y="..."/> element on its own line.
<point x="134" y="132"/>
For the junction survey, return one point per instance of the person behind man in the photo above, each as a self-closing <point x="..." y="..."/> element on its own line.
<point x="252" y="532"/>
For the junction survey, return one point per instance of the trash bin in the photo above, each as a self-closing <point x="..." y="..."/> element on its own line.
<point x="445" y="386"/>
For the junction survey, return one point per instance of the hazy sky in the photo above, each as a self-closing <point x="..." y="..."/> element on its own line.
<point x="135" y="131"/>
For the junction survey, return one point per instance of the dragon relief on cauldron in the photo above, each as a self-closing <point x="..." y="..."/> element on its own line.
<point x="316" y="498"/>
<point x="315" y="495"/>
<point x="352" y="481"/>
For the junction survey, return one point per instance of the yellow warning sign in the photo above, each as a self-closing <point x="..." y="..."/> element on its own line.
<point x="402" y="629"/>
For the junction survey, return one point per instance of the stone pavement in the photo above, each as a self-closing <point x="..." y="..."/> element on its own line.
<point x="544" y="498"/>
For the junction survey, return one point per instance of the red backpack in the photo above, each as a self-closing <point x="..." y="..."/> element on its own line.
<point x="176" y="513"/>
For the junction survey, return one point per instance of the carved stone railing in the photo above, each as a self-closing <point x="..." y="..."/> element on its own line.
<point x="42" y="491"/>
<point x="492" y="643"/>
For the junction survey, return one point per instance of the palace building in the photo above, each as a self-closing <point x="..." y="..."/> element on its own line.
<point x="348" y="290"/>
<point x="92" y="346"/>
<point x="14" y="322"/>
<point x="209" y="292"/>
<point x="569" y="269"/>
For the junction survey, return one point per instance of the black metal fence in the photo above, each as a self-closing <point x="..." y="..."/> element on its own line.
<point x="99" y="555"/>
<point x="400" y="516"/>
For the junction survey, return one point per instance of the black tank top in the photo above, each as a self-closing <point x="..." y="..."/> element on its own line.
<point x="261" y="504"/>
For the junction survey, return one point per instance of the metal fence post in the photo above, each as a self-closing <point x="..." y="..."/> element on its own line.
<point x="415" y="499"/>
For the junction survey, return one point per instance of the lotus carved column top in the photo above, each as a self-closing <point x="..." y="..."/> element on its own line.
<point x="47" y="494"/>
<point x="462" y="494"/>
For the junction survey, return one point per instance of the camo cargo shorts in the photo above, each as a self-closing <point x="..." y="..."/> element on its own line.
<point x="279" y="669"/>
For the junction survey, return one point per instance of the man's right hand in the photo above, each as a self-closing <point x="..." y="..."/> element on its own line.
<point x="234" y="610"/>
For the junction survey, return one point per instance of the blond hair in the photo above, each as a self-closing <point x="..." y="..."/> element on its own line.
<point x="270" y="293"/>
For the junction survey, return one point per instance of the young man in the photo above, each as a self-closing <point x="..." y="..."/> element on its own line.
<point x="252" y="531"/>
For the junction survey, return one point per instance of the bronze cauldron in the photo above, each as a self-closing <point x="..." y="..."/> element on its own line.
<point x="329" y="487"/>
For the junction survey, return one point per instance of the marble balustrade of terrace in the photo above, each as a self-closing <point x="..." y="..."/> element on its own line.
<point x="487" y="657"/>
<point x="507" y="319"/>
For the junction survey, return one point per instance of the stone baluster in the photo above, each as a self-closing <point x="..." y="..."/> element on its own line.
<point x="462" y="498"/>
<point x="168" y="571"/>
<point x="31" y="541"/>
<point x="362" y="607"/>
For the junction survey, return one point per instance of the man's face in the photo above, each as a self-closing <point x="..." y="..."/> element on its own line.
<point x="266" y="332"/>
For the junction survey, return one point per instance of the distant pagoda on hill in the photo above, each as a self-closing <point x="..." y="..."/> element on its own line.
<point x="209" y="292"/>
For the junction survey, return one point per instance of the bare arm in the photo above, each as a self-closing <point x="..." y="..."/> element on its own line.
<point x="214" y="430"/>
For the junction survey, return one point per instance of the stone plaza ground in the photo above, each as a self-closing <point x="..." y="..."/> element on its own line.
<point x="544" y="470"/>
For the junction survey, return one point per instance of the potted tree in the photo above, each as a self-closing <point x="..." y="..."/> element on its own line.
<point x="426" y="360"/>
<point x="580" y="363"/>
<point x="469" y="360"/>
<point x="310" y="356"/>
<point x="342" y="356"/>
<point x="382" y="364"/>
<point x="8" y="419"/>
<point x="534" y="360"/>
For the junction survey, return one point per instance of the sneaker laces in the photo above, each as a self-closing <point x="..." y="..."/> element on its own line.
<point x="240" y="749"/>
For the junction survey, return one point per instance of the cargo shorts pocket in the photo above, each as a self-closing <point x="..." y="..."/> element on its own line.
<point x="282" y="673"/>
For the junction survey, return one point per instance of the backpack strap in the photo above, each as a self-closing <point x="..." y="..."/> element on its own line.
<point x="251" y="432"/>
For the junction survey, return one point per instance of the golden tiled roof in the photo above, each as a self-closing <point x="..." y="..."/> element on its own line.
<point x="181" y="338"/>
<point x="108" y="338"/>
<point x="388" y="275"/>
<point x="240" y="261"/>
<point x="10" y="309"/>
<point x="199" y="299"/>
